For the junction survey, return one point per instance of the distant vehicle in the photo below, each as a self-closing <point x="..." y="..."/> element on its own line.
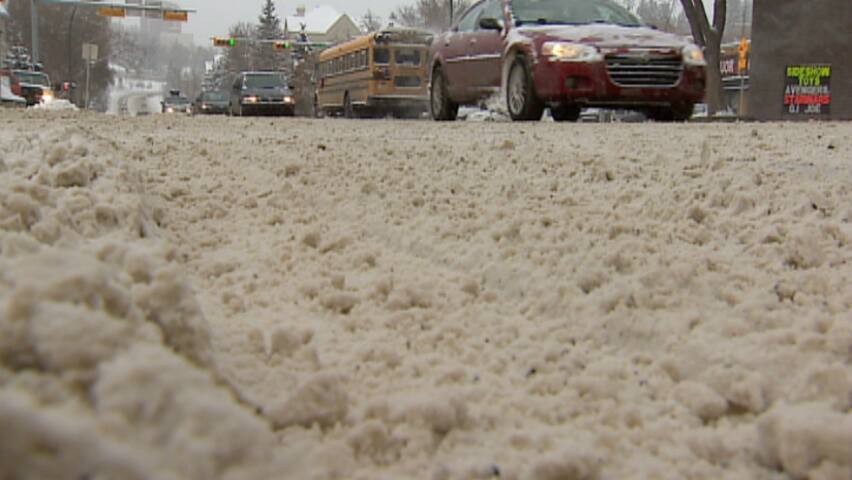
<point x="257" y="93"/>
<point x="378" y="73"/>
<point x="176" y="103"/>
<point x="6" y="95"/>
<point x="212" y="102"/>
<point x="33" y="86"/>
<point x="566" y="55"/>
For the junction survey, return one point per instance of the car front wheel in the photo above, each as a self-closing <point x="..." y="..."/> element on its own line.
<point x="521" y="99"/>
<point x="441" y="107"/>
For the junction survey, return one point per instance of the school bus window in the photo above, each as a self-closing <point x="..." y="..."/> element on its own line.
<point x="407" y="56"/>
<point x="381" y="56"/>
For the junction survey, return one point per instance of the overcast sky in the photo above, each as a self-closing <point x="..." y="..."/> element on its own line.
<point x="215" y="16"/>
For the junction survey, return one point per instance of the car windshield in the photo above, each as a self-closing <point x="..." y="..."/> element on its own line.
<point x="575" y="12"/>
<point x="177" y="100"/>
<point x="264" y="81"/>
<point x="33" y="78"/>
<point x="215" y="97"/>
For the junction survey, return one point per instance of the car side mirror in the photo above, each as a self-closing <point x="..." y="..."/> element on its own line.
<point x="490" y="24"/>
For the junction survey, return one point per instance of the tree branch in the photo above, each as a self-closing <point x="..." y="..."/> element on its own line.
<point x="720" y="15"/>
<point x="691" y="9"/>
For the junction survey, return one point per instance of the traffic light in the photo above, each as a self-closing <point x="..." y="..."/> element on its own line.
<point x="281" y="45"/>
<point x="224" y="42"/>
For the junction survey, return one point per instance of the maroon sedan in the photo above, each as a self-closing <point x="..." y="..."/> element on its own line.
<point x="566" y="55"/>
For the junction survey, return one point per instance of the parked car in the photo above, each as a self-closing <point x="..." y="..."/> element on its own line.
<point x="254" y="93"/>
<point x="211" y="102"/>
<point x="7" y="97"/>
<point x="32" y="85"/>
<point x="176" y="103"/>
<point x="566" y="55"/>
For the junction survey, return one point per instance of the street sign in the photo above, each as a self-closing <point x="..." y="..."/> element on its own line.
<point x="743" y="58"/>
<point x="112" y="12"/>
<point x="174" y="16"/>
<point x="90" y="52"/>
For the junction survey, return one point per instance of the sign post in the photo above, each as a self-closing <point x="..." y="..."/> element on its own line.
<point x="90" y="55"/>
<point x="743" y="67"/>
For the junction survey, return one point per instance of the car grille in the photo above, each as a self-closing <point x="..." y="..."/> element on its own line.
<point x="406" y="81"/>
<point x="642" y="68"/>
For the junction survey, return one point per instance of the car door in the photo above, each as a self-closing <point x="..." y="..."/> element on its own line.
<point x="457" y="54"/>
<point x="484" y="67"/>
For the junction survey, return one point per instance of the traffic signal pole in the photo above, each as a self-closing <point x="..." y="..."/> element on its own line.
<point x="34" y="30"/>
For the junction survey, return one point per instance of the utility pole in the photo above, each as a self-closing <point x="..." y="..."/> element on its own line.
<point x="748" y="66"/>
<point x="451" y="14"/>
<point x="34" y="30"/>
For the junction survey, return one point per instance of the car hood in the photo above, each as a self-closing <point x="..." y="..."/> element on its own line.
<point x="603" y="35"/>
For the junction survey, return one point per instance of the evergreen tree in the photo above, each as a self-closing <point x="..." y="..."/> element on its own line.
<point x="269" y="28"/>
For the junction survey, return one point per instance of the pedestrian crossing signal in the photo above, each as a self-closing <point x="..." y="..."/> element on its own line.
<point x="281" y="45"/>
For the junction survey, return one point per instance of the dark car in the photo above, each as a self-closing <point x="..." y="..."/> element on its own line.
<point x="255" y="93"/>
<point x="34" y="86"/>
<point x="211" y="102"/>
<point x="565" y="55"/>
<point x="176" y="103"/>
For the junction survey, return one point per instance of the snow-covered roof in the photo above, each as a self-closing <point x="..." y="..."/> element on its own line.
<point x="317" y="20"/>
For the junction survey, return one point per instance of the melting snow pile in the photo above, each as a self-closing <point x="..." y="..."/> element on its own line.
<point x="105" y="362"/>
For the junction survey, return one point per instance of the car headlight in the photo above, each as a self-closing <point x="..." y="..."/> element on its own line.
<point x="170" y="110"/>
<point x="250" y="99"/>
<point x="692" y="55"/>
<point x="288" y="99"/>
<point x="47" y="96"/>
<point x="570" y="52"/>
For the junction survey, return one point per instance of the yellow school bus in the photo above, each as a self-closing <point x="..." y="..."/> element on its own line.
<point x="376" y="74"/>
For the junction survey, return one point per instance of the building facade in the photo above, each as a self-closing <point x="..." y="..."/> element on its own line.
<point x="322" y="25"/>
<point x="799" y="64"/>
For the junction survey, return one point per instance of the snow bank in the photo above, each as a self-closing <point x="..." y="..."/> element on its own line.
<point x="107" y="368"/>
<point x="56" y="105"/>
<point x="281" y="298"/>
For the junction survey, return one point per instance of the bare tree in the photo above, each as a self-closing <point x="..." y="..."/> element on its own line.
<point x="63" y="30"/>
<point x="370" y="22"/>
<point x="665" y="15"/>
<point x="241" y="56"/>
<point x="709" y="36"/>
<point x="429" y="14"/>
